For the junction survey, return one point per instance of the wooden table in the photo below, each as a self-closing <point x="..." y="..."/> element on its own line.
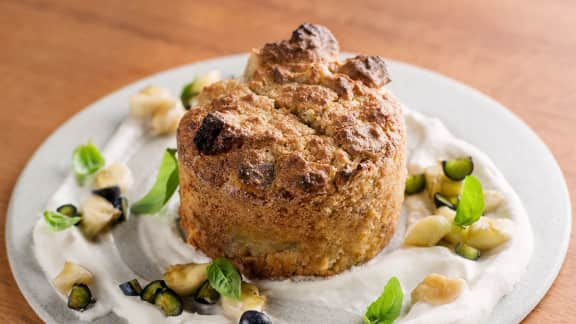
<point x="56" y="57"/>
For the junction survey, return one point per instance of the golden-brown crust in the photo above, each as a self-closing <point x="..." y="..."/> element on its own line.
<point x="370" y="70"/>
<point x="309" y="43"/>
<point x="298" y="170"/>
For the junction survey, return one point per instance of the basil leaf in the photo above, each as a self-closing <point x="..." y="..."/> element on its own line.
<point x="471" y="204"/>
<point x="224" y="277"/>
<point x="59" y="222"/>
<point x="86" y="160"/>
<point x="386" y="308"/>
<point x="164" y="187"/>
<point x="188" y="93"/>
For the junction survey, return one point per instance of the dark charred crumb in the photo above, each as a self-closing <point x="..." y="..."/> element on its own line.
<point x="286" y="195"/>
<point x="312" y="182"/>
<point x="215" y="136"/>
<point x="363" y="165"/>
<point x="260" y="175"/>
<point x="343" y="176"/>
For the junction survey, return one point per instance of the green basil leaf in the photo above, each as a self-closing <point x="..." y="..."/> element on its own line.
<point x="387" y="307"/>
<point x="164" y="187"/>
<point x="59" y="222"/>
<point x="188" y="93"/>
<point x="471" y="204"/>
<point x="86" y="160"/>
<point x="224" y="277"/>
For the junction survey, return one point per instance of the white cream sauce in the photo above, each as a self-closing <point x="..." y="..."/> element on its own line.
<point x="145" y="245"/>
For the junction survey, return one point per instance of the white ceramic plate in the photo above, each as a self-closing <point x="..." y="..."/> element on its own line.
<point x="521" y="156"/>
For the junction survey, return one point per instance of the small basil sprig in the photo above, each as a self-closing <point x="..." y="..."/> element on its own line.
<point x="224" y="277"/>
<point x="164" y="187"/>
<point x="59" y="222"/>
<point x="471" y="204"/>
<point x="86" y="160"/>
<point x="387" y="307"/>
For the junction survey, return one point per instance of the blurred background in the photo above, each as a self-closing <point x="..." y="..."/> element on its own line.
<point x="57" y="56"/>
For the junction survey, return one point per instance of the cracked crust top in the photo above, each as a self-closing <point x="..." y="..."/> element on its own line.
<point x="303" y="122"/>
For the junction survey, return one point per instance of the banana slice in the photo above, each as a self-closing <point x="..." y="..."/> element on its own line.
<point x="437" y="182"/>
<point x="116" y="174"/>
<point x="456" y="234"/>
<point x="437" y="289"/>
<point x="428" y="231"/>
<point x="185" y="279"/>
<point x="71" y="275"/>
<point x="97" y="216"/>
<point x="250" y="299"/>
<point x="150" y="101"/>
<point x="167" y="123"/>
<point x="206" y="79"/>
<point x="488" y="233"/>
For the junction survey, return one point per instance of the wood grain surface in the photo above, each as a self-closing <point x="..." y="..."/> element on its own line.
<point x="57" y="56"/>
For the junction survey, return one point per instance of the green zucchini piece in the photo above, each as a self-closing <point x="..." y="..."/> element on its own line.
<point x="112" y="194"/>
<point x="415" y="184"/>
<point x="68" y="210"/>
<point x="458" y="169"/>
<point x="149" y="292"/>
<point x="169" y="302"/>
<point x="123" y="211"/>
<point x="468" y="252"/>
<point x="206" y="294"/>
<point x="131" y="288"/>
<point x="256" y="317"/>
<point x="80" y="297"/>
<point x="440" y="201"/>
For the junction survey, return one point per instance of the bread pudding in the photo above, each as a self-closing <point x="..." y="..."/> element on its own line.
<point x="298" y="169"/>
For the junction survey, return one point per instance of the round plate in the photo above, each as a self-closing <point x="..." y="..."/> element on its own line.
<point x="470" y="115"/>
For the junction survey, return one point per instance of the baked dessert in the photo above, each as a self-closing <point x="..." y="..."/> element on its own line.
<point x="299" y="168"/>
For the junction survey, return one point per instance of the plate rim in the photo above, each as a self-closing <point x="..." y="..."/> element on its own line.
<point x="559" y="259"/>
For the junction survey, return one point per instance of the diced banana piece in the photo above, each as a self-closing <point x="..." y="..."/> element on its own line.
<point x="151" y="101"/>
<point x="97" y="215"/>
<point x="488" y="233"/>
<point x="205" y="79"/>
<point x="251" y="66"/>
<point x="167" y="123"/>
<point x="437" y="289"/>
<point x="450" y="188"/>
<point x="492" y="200"/>
<point x="70" y="275"/>
<point x="185" y="279"/>
<point x="446" y="212"/>
<point x="436" y="181"/>
<point x="433" y="176"/>
<point x="250" y="299"/>
<point x="116" y="174"/>
<point x="456" y="234"/>
<point x="428" y="231"/>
